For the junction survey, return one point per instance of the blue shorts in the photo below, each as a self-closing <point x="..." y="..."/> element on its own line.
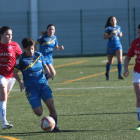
<point x="48" y="59"/>
<point x="37" y="92"/>
<point x="111" y="50"/>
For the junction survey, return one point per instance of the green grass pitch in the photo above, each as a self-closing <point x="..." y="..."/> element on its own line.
<point x="88" y="106"/>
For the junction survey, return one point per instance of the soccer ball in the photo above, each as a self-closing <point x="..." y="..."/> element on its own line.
<point x="47" y="123"/>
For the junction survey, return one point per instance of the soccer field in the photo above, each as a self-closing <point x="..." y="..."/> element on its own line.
<point x="88" y="106"/>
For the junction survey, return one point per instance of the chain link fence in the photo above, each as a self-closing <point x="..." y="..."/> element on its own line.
<point x="80" y="31"/>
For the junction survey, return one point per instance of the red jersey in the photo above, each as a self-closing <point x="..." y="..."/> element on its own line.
<point x="135" y="50"/>
<point x="8" y="54"/>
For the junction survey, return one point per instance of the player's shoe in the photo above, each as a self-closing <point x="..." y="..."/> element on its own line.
<point x="120" y="77"/>
<point x="138" y="128"/>
<point x="6" y="126"/>
<point x="107" y="76"/>
<point x="56" y="130"/>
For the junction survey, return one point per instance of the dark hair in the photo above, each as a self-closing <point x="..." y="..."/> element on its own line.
<point x="4" y="29"/>
<point x="108" y="21"/>
<point x="27" y="42"/>
<point x="44" y="32"/>
<point x="139" y="26"/>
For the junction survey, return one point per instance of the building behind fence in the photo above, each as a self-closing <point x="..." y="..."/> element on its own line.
<point x="80" y="31"/>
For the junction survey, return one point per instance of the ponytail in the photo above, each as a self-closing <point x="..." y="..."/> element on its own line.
<point x="45" y="32"/>
<point x="108" y="21"/>
<point x="139" y="26"/>
<point x="0" y="33"/>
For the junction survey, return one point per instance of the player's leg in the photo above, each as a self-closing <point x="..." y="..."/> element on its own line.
<point x="108" y="65"/>
<point x="137" y="91"/>
<point x="48" y="99"/>
<point x="33" y="97"/>
<point x="120" y="65"/>
<point x="136" y="84"/>
<point x="50" y="104"/>
<point x="11" y="82"/>
<point x="38" y="110"/>
<point x="52" y="70"/>
<point x="49" y="63"/>
<point x="3" y="102"/>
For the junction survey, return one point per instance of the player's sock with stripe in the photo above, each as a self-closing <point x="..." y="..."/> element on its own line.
<point x="108" y="67"/>
<point x="55" y="118"/>
<point x="120" y="66"/>
<point x="3" y="112"/>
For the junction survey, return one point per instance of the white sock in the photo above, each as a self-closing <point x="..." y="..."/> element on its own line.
<point x="3" y="112"/>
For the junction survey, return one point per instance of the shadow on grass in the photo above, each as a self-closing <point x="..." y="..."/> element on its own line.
<point x="24" y="133"/>
<point x="63" y="131"/>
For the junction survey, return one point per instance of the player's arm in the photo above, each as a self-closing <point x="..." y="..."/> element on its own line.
<point x="47" y="72"/>
<point x="15" y="72"/>
<point x="120" y="34"/>
<point x="59" y="48"/>
<point x="106" y="36"/>
<point x="126" y="63"/>
<point x="36" y="49"/>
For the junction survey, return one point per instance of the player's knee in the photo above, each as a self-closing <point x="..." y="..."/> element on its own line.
<point x="138" y="100"/>
<point x="38" y="113"/>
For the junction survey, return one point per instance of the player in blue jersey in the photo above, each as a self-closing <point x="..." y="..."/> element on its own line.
<point x="48" y="41"/>
<point x="113" y="33"/>
<point x="31" y="64"/>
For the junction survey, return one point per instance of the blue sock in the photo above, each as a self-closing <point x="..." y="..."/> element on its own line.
<point x="108" y="67"/>
<point x="120" y="66"/>
<point x="138" y="113"/>
<point x="55" y="118"/>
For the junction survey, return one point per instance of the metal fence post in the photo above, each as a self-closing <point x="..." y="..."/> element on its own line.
<point x="81" y="30"/>
<point x="129" y="21"/>
<point x="28" y="23"/>
<point x="134" y="12"/>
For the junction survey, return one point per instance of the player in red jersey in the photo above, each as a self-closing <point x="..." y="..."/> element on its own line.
<point x="135" y="50"/>
<point x="9" y="50"/>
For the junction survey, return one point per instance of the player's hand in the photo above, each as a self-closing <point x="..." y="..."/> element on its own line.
<point x="49" y="76"/>
<point x="126" y="73"/>
<point x="114" y="34"/>
<point x="62" y="47"/>
<point x="21" y="86"/>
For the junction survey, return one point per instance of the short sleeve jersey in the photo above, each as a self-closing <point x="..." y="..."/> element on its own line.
<point x="8" y="54"/>
<point x="47" y="44"/>
<point x="115" y="40"/>
<point x="31" y="68"/>
<point x="135" y="50"/>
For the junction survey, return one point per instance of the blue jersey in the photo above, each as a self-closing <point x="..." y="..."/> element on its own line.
<point x="115" y="40"/>
<point x="31" y="68"/>
<point x="47" y="44"/>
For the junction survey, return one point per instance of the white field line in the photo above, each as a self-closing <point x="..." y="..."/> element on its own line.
<point x="104" y="61"/>
<point x="93" y="87"/>
<point x="84" y="88"/>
